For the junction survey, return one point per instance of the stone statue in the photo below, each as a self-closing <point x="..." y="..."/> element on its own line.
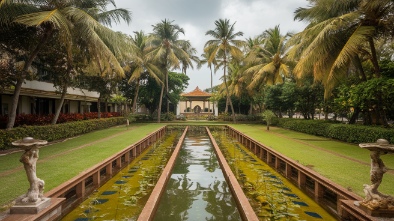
<point x="375" y="200"/>
<point x="29" y="159"/>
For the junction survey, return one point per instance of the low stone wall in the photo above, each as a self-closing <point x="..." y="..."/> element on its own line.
<point x="151" y="205"/>
<point x="244" y="207"/>
<point x="329" y="195"/>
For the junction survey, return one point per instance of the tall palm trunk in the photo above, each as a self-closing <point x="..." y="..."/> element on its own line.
<point x="227" y="91"/>
<point x="226" y="107"/>
<point x="22" y="76"/>
<point x="136" y="96"/>
<point x="166" y="76"/>
<point x="380" y="113"/>
<point x="60" y="105"/>
<point x="213" y="102"/>
<point x="160" y="102"/>
<point x="168" y="101"/>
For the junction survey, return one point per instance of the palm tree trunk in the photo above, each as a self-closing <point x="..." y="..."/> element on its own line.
<point x="359" y="66"/>
<point x="213" y="102"/>
<point x="60" y="105"/>
<point x="136" y="96"/>
<point x="226" y="108"/>
<point x="21" y="78"/>
<point x="374" y="58"/>
<point x="160" y="102"/>
<point x="168" y="102"/>
<point x="227" y="91"/>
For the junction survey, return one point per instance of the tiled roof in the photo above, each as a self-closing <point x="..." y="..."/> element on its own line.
<point x="197" y="93"/>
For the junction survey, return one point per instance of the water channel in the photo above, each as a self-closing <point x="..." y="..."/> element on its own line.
<point x="197" y="189"/>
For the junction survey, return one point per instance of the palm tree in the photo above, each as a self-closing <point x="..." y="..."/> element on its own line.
<point x="68" y="20"/>
<point x="142" y="64"/>
<point x="168" y="49"/>
<point x="187" y="61"/>
<point x="224" y="46"/>
<point x="339" y="36"/>
<point x="205" y="60"/>
<point x="267" y="61"/>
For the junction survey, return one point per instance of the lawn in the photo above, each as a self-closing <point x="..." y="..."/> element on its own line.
<point x="345" y="164"/>
<point x="62" y="161"/>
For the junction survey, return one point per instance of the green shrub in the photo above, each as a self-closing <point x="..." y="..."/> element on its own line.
<point x="57" y="131"/>
<point x="343" y="132"/>
<point x="168" y="116"/>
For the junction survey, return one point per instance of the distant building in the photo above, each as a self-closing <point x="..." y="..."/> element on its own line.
<point x="196" y="104"/>
<point x="38" y="97"/>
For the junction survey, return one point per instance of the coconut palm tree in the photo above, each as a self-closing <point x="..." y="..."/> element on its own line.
<point x="267" y="61"/>
<point x="224" y="46"/>
<point x="187" y="61"/>
<point x="142" y="64"/>
<point x="205" y="60"/>
<point x="168" y="49"/>
<point x="65" y="21"/>
<point x="341" y="35"/>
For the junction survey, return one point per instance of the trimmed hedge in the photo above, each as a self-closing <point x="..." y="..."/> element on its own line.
<point x="57" y="131"/>
<point x="335" y="130"/>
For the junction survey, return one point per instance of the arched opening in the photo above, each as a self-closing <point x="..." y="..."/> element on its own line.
<point x="197" y="109"/>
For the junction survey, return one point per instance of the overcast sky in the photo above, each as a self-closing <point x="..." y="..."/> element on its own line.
<point x="196" y="17"/>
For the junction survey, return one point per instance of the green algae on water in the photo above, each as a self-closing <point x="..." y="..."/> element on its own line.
<point x="124" y="196"/>
<point x="271" y="195"/>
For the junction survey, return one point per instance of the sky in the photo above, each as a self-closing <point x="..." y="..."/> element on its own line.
<point x="196" y="17"/>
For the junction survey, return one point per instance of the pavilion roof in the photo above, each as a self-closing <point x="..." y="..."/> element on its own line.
<point x="196" y="93"/>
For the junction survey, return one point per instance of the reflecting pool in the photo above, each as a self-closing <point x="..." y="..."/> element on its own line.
<point x="197" y="189"/>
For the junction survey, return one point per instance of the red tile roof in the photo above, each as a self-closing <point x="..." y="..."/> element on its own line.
<point x="197" y="93"/>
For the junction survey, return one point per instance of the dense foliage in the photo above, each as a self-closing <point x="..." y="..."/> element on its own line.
<point x="344" y="132"/>
<point x="56" y="132"/>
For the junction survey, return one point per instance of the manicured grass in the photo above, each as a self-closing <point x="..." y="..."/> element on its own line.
<point x="59" y="162"/>
<point x="310" y="151"/>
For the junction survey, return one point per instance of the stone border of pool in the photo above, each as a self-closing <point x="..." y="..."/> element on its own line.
<point x="336" y="199"/>
<point x="151" y="205"/>
<point x="244" y="207"/>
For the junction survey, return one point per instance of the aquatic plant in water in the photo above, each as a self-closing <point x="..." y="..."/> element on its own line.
<point x="267" y="194"/>
<point x="123" y="197"/>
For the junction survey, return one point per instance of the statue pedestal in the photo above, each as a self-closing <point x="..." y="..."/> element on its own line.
<point x="30" y="208"/>
<point x="378" y="212"/>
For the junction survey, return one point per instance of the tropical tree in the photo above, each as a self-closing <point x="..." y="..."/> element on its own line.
<point x="224" y="46"/>
<point x="168" y="49"/>
<point x="68" y="21"/>
<point x="205" y="60"/>
<point x="268" y="116"/>
<point x="267" y="61"/>
<point x="187" y="61"/>
<point x="341" y="36"/>
<point x="142" y="64"/>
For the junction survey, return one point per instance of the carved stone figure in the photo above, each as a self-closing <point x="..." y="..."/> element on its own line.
<point x="375" y="200"/>
<point x="29" y="159"/>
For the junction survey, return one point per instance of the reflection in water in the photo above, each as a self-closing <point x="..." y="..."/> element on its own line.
<point x="197" y="189"/>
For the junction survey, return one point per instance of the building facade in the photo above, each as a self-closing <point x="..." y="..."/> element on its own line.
<point x="196" y="104"/>
<point x="39" y="97"/>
